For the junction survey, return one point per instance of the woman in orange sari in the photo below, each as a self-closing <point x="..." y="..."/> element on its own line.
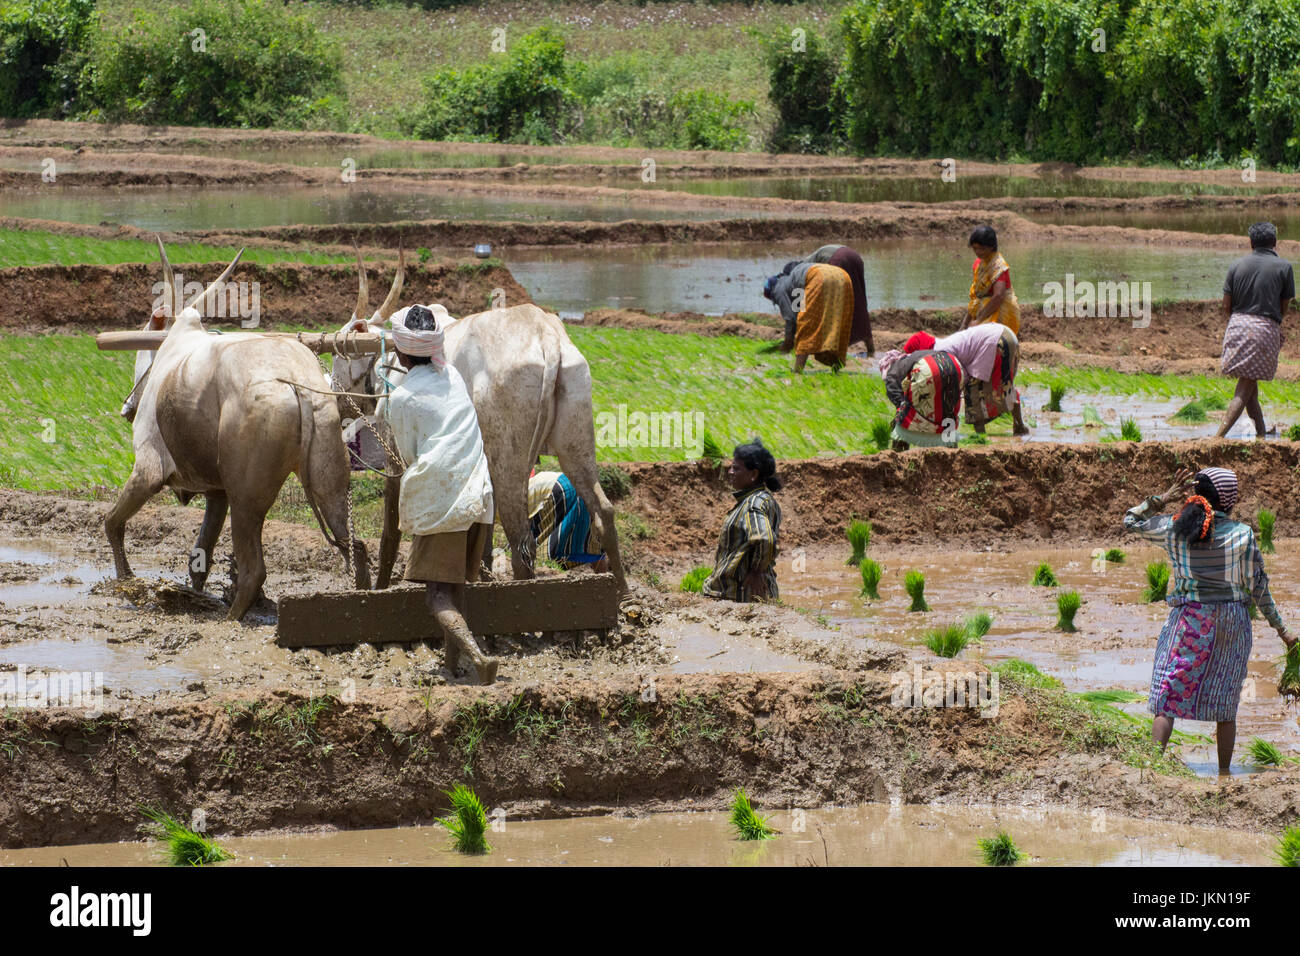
<point x="991" y="296"/>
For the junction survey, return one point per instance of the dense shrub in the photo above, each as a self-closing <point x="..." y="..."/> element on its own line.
<point x="256" y="64"/>
<point x="41" y="44"/>
<point x="1216" y="79"/>
<point x="802" y="86"/>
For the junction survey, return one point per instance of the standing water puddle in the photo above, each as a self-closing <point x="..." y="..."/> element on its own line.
<point x="869" y="835"/>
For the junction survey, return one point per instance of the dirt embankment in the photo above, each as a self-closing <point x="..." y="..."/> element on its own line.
<point x="100" y="298"/>
<point x="285" y="760"/>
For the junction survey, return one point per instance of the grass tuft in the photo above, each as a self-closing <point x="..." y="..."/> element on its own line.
<point x="1112" y="696"/>
<point x="1000" y="850"/>
<point x="871" y="574"/>
<point x="950" y="641"/>
<point x="1287" y="852"/>
<point x="1067" y="605"/>
<point x="1267" y="521"/>
<point x="1023" y="672"/>
<point x="748" y="824"/>
<point x="978" y="624"/>
<point x="1115" y="555"/>
<point x="1157" y="582"/>
<point x="1045" y="577"/>
<point x="467" y="822"/>
<point x="1129" y="430"/>
<point x="184" y="847"/>
<point x="914" y="584"/>
<point x="881" y="435"/>
<point x="1293" y="433"/>
<point x="693" y="580"/>
<point x="859" y="534"/>
<point x="1190" y="414"/>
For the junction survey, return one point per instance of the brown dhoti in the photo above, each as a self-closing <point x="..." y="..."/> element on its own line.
<point x="453" y="557"/>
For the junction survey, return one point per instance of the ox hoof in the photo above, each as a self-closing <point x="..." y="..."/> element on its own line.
<point x="487" y="671"/>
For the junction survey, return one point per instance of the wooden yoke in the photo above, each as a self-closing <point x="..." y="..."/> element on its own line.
<point x="350" y="344"/>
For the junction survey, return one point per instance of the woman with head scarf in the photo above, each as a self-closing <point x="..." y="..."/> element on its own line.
<point x="445" y="501"/>
<point x="926" y="388"/>
<point x="991" y="296"/>
<point x="816" y="301"/>
<point x="1217" y="571"/>
<point x="745" y="566"/>
<point x="990" y="355"/>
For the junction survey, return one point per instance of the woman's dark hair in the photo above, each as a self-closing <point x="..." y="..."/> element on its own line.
<point x="420" y="319"/>
<point x="1191" y="519"/>
<point x="984" y="236"/>
<point x="757" y="458"/>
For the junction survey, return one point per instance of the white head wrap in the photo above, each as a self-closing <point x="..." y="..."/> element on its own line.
<point x="422" y="343"/>
<point x="888" y="359"/>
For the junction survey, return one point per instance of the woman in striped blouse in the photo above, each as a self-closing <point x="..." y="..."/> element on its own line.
<point x="745" y="567"/>
<point x="1217" y="571"/>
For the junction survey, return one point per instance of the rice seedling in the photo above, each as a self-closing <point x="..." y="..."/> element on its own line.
<point x="880" y="434"/>
<point x="978" y="624"/>
<point x="1190" y="414"/>
<point x="1213" y="403"/>
<point x="467" y="822"/>
<point x="1287" y="851"/>
<point x="1267" y="521"/>
<point x="1157" y="582"/>
<point x="1026" y="673"/>
<point x="859" y="535"/>
<point x="1115" y="555"/>
<point x="1252" y="610"/>
<point x="950" y="641"/>
<point x="914" y="584"/>
<point x="1045" y="577"/>
<point x="1056" y="392"/>
<point x="693" y="580"/>
<point x="1112" y="696"/>
<point x="1129" y="430"/>
<point x="711" y="450"/>
<point x="1067" y="605"/>
<point x="976" y="439"/>
<point x="1288" y="685"/>
<point x="748" y="824"/>
<point x="1092" y="417"/>
<point x="1000" y="850"/>
<point x="183" y="846"/>
<point x="1264" y="754"/>
<point x="871" y="574"/>
<point x="1293" y="433"/>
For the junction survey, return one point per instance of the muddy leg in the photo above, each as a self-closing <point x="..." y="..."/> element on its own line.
<point x="1161" y="729"/>
<point x="214" y="519"/>
<point x="1018" y="422"/>
<point x="442" y="603"/>
<point x="246" y="534"/>
<point x="1245" y="391"/>
<point x="392" y="535"/>
<point x="1225" y="735"/>
<point x="1256" y="412"/>
<point x="137" y="490"/>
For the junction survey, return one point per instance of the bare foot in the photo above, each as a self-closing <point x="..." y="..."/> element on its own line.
<point x="1020" y="430"/>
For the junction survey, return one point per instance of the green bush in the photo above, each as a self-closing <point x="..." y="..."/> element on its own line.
<point x="802" y="85"/>
<point x="42" y="45"/>
<point x="256" y="64"/>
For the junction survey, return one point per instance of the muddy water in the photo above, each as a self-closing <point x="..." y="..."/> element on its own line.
<point x="379" y="157"/>
<point x="871" y="835"/>
<point x="915" y="273"/>
<point x="1115" y="643"/>
<point x="253" y="207"/>
<point x="1210" y="221"/>
<point x="1152" y="415"/>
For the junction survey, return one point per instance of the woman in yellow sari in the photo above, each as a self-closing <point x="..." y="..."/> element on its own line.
<point x="991" y="296"/>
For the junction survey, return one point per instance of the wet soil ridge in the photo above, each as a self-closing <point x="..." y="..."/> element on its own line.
<point x="86" y="298"/>
<point x="287" y="760"/>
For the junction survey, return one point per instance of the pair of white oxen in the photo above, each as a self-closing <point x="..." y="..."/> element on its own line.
<point x="216" y="415"/>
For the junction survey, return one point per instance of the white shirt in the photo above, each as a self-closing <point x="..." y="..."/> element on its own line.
<point x="446" y="486"/>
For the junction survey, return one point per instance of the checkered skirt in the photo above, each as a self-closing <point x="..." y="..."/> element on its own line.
<point x="1250" y="347"/>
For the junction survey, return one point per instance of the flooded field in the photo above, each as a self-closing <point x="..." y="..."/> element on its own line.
<point x="870" y="835"/>
<point x="728" y="277"/>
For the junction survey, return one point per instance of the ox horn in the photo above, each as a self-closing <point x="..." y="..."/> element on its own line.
<point x="202" y="297"/>
<point x="169" y="281"/>
<point x="363" y="291"/>
<point x="390" y="303"/>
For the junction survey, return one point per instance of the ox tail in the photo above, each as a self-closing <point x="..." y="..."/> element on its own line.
<point x="307" y="432"/>
<point x="545" y="403"/>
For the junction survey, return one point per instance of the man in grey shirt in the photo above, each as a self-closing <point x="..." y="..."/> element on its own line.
<point x="1256" y="294"/>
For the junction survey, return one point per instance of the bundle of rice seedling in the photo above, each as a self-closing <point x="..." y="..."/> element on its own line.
<point x="1056" y="392"/>
<point x="693" y="580"/>
<point x="1067" y="605"/>
<point x="1026" y="673"/>
<point x="1092" y="417"/>
<point x="1264" y="754"/>
<point x="880" y="434"/>
<point x="1190" y="414"/>
<point x="711" y="449"/>
<point x="979" y="438"/>
<point x="1129" y="430"/>
<point x="1001" y="850"/>
<point x="1287" y="852"/>
<point x="1045" y="577"/>
<point x="467" y="822"/>
<point x="1267" y="520"/>
<point x="914" y="584"/>
<point x="950" y="641"/>
<point x="184" y="847"/>
<point x="1115" y="555"/>
<point x="871" y="573"/>
<point x="1293" y="433"/>
<point x="1112" y="696"/>
<point x="1157" y="582"/>
<point x="978" y="624"/>
<point x="1214" y="403"/>
<point x="859" y="535"/>
<point x="1288" y="685"/>
<point x="748" y="824"/>
<point x="1252" y="610"/>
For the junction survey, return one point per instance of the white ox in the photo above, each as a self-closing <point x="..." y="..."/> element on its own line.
<point x="531" y="389"/>
<point x="213" y="415"/>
